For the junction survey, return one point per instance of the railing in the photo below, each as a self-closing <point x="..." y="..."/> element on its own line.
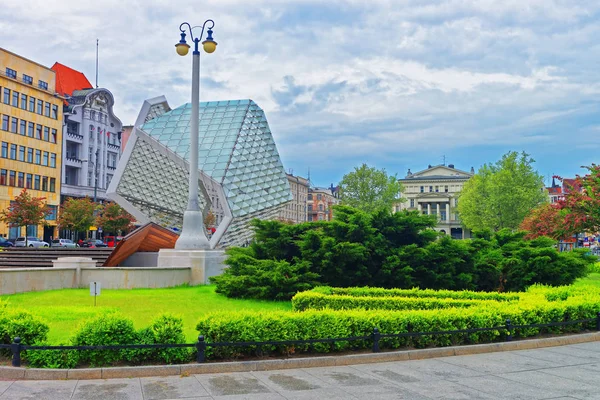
<point x="201" y="345"/>
<point x="74" y="136"/>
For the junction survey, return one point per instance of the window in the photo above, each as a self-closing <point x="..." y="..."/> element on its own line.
<point x="23" y="130"/>
<point x="13" y="151"/>
<point x="11" y="178"/>
<point x="54" y="111"/>
<point x="422" y="189"/>
<point x="32" y="104"/>
<point x="53" y="136"/>
<point x="53" y="160"/>
<point x="36" y="182"/>
<point x="11" y="73"/>
<point x="456" y="202"/>
<point x="47" y="109"/>
<point x="5" y="122"/>
<point x="21" y="179"/>
<point x="430" y="189"/>
<point x="14" y="123"/>
<point x="310" y="207"/>
<point x="52" y="215"/>
<point x="319" y="196"/>
<point x="4" y="150"/>
<point x="437" y="189"/>
<point x="22" y="153"/>
<point x="40" y="106"/>
<point x="45" y="158"/>
<point x="38" y="157"/>
<point x="29" y="155"/>
<point x="446" y="188"/>
<point x="43" y="85"/>
<point x="38" y="132"/>
<point x="310" y="196"/>
<point x="44" y="183"/>
<point x="6" y="96"/>
<point x="24" y="101"/>
<point x="30" y="130"/>
<point x="28" y="181"/>
<point x="46" y="134"/>
<point x="320" y="207"/>
<point x="3" y="174"/>
<point x="412" y="203"/>
<point x="27" y="79"/>
<point x="15" y="99"/>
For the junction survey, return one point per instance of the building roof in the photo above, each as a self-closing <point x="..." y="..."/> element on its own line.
<point x="435" y="178"/>
<point x="69" y="80"/>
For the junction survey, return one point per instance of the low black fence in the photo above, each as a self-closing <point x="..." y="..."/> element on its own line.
<point x="201" y="345"/>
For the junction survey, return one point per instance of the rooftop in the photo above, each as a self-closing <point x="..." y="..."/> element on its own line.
<point x="69" y="80"/>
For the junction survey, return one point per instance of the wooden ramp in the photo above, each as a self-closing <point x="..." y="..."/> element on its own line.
<point x="147" y="238"/>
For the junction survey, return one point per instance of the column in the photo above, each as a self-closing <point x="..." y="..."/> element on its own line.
<point x="428" y="208"/>
<point x="420" y="208"/>
<point x="437" y="210"/>
<point x="448" y="213"/>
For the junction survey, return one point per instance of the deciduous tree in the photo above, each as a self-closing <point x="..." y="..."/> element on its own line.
<point x="501" y="195"/>
<point x="77" y="214"/>
<point x="25" y="210"/>
<point x="114" y="219"/>
<point x="369" y="189"/>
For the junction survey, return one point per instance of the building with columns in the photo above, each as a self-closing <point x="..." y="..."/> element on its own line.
<point x="434" y="191"/>
<point x="91" y="135"/>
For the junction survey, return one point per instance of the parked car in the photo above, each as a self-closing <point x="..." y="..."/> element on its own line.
<point x="5" y="243"/>
<point x="31" y="242"/>
<point x="94" y="243"/>
<point x="67" y="243"/>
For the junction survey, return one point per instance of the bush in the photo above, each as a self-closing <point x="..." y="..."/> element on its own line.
<point x="21" y="324"/>
<point x="168" y="329"/>
<point x="106" y="329"/>
<point x="248" y="277"/>
<point x="416" y="292"/>
<point x="51" y="358"/>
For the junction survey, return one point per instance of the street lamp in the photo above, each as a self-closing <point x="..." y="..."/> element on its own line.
<point x="193" y="236"/>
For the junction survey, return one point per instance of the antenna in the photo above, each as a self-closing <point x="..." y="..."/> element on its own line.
<point x="309" y="176"/>
<point x="444" y="158"/>
<point x="97" y="40"/>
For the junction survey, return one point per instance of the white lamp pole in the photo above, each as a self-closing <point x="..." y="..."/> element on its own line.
<point x="193" y="235"/>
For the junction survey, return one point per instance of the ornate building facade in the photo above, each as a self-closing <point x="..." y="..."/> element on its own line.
<point x="320" y="202"/>
<point x="434" y="191"/>
<point x="91" y="136"/>
<point x="295" y="210"/>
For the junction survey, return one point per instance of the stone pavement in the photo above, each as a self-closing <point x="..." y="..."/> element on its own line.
<point x="565" y="372"/>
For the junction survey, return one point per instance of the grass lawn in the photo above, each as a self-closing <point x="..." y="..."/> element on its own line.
<point x="590" y="280"/>
<point x="64" y="309"/>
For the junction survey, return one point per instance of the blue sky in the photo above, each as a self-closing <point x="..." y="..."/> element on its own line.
<point x="396" y="84"/>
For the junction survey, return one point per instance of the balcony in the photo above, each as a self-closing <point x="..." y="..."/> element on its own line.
<point x="72" y="161"/>
<point x="114" y="146"/>
<point x="74" y="137"/>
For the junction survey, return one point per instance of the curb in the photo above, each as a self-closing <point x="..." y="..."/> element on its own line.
<point x="267" y="365"/>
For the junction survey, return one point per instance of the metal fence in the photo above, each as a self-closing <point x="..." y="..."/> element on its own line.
<point x="375" y="336"/>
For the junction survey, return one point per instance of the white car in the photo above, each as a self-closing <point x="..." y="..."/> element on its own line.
<point x="31" y="242"/>
<point x="66" y="243"/>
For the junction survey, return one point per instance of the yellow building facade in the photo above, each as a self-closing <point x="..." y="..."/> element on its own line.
<point x="31" y="116"/>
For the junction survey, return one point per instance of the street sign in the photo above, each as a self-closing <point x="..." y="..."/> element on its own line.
<point x="93" y="228"/>
<point x="99" y="230"/>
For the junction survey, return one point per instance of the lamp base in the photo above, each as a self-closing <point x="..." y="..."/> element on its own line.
<point x="192" y="234"/>
<point x="202" y="263"/>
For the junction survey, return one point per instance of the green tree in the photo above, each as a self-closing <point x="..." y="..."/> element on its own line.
<point x="114" y="219"/>
<point x="77" y="214"/>
<point x="25" y="210"/>
<point x="501" y="195"/>
<point x="368" y="189"/>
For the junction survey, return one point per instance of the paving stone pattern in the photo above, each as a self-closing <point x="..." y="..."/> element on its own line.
<point x="566" y="372"/>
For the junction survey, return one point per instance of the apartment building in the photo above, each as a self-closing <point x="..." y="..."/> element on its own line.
<point x="31" y="137"/>
<point x="295" y="210"/>
<point x="320" y="202"/>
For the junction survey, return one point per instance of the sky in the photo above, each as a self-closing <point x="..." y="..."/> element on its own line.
<point x="395" y="84"/>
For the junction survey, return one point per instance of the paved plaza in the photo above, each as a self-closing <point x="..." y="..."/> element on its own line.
<point x="565" y="372"/>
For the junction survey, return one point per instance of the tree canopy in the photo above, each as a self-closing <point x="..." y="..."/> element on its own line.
<point x="368" y="188"/>
<point x="114" y="219"/>
<point x="25" y="211"/>
<point x="77" y="214"/>
<point x="501" y="195"/>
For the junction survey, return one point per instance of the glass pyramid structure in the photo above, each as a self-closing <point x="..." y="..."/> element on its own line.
<point x="241" y="174"/>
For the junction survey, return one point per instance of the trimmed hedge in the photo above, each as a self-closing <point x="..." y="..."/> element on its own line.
<point x="314" y="301"/>
<point x="537" y="306"/>
<point x="416" y="292"/>
<point x="21" y="324"/>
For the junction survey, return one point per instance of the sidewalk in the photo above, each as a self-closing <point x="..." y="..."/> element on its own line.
<point x="565" y="372"/>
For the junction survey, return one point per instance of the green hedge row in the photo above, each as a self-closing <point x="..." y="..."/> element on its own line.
<point x="315" y="301"/>
<point x="114" y="329"/>
<point x="533" y="308"/>
<point x="416" y="292"/>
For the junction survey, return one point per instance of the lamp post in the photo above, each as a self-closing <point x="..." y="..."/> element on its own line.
<point x="193" y="236"/>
